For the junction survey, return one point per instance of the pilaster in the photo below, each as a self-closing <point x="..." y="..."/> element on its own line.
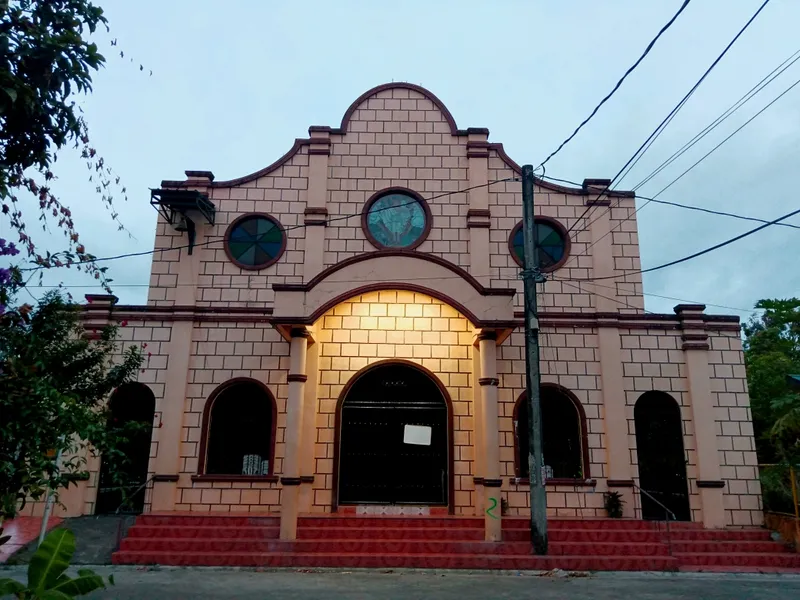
<point x="698" y="374"/>
<point x="290" y="494"/>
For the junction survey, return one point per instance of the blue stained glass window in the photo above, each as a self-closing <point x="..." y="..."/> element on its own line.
<point x="256" y="241"/>
<point x="552" y="245"/>
<point x="396" y="220"/>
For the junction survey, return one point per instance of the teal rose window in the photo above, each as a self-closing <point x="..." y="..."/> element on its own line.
<point x="553" y="244"/>
<point x="396" y="219"/>
<point x="255" y="241"/>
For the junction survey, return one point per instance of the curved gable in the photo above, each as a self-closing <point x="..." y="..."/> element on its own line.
<point x="366" y="108"/>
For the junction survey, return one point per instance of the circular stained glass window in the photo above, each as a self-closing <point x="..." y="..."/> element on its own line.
<point x="255" y="241"/>
<point x="396" y="219"/>
<point x="553" y="244"/>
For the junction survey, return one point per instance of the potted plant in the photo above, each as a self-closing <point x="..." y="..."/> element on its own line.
<point x="612" y="501"/>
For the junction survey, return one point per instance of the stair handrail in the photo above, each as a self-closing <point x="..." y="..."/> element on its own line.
<point x="136" y="491"/>
<point x="667" y="513"/>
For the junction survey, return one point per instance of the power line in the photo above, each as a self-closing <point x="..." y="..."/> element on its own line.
<point x="671" y="183"/>
<point x="694" y="89"/>
<point x="686" y="206"/>
<point x="617" y="300"/>
<point x="554" y="277"/>
<point x="696" y="254"/>
<point x="657" y="131"/>
<point x="737" y="130"/>
<point x="290" y="228"/>
<point x="749" y="95"/>
<point x="619" y="83"/>
<point x="643" y="293"/>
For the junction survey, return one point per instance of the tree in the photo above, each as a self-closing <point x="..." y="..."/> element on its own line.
<point x="45" y="60"/>
<point x="772" y="354"/>
<point x="55" y="378"/>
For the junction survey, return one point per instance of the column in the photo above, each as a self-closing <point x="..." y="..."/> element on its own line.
<point x="294" y="423"/>
<point x="478" y="432"/>
<point x="487" y="344"/>
<point x="316" y="213"/>
<point x="619" y="472"/>
<point x="701" y="400"/>
<point x="478" y="214"/>
<point x="309" y="435"/>
<point x="167" y="462"/>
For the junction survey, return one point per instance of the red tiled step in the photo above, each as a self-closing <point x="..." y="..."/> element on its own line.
<point x="739" y="559"/>
<point x="727" y="535"/>
<point x="473" y="533"/>
<point x="207" y="520"/>
<point x="727" y="547"/>
<point x="391" y="533"/>
<point x="420" y="561"/>
<point x="384" y="546"/>
<point x="586" y="535"/>
<point x="360" y="521"/>
<point x="175" y="531"/>
<point x="615" y="524"/>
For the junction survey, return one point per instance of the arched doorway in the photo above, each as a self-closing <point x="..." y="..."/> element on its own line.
<point x="662" y="462"/>
<point x="130" y="403"/>
<point x="394" y="437"/>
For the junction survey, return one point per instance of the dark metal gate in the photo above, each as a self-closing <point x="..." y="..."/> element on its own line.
<point x="377" y="465"/>
<point x="132" y="402"/>
<point x="662" y="461"/>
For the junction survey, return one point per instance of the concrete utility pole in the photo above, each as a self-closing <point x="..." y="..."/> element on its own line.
<point x="531" y="275"/>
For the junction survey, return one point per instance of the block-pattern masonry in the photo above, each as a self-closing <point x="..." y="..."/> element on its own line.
<point x="208" y="321"/>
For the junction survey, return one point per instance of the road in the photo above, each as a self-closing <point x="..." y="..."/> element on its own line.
<point x="208" y="584"/>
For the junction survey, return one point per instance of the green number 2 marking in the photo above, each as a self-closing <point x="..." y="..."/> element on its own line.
<point x="491" y="508"/>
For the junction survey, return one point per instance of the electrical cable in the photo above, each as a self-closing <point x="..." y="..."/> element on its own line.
<point x="688" y="207"/>
<point x="617" y="86"/>
<point x="681" y="300"/>
<point x="696" y="254"/>
<point x="657" y="131"/>
<point x="290" y="228"/>
<point x="675" y="180"/>
<point x="749" y="95"/>
<point x="554" y="278"/>
<point x="617" y="300"/>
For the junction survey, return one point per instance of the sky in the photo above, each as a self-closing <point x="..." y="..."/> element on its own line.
<point x="233" y="84"/>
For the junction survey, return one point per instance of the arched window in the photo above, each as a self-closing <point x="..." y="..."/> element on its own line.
<point x="566" y="455"/>
<point x="238" y="430"/>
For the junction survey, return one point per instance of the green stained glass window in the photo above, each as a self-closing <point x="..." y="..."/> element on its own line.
<point x="255" y="241"/>
<point x="397" y="220"/>
<point x="552" y="244"/>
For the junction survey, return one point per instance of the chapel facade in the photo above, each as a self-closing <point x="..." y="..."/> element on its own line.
<point x="342" y="331"/>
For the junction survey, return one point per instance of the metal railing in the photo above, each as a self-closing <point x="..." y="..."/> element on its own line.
<point x="136" y="491"/>
<point x="668" y="514"/>
<point x="781" y="500"/>
<point x="120" y="524"/>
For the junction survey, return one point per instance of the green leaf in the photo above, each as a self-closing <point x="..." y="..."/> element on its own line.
<point x="53" y="595"/>
<point x="86" y="582"/>
<point x="51" y="559"/>
<point x="9" y="587"/>
<point x="11" y="93"/>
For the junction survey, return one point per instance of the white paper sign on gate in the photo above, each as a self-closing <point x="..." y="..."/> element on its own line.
<point x="418" y="435"/>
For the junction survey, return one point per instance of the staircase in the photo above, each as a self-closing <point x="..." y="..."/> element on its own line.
<point x="446" y="542"/>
